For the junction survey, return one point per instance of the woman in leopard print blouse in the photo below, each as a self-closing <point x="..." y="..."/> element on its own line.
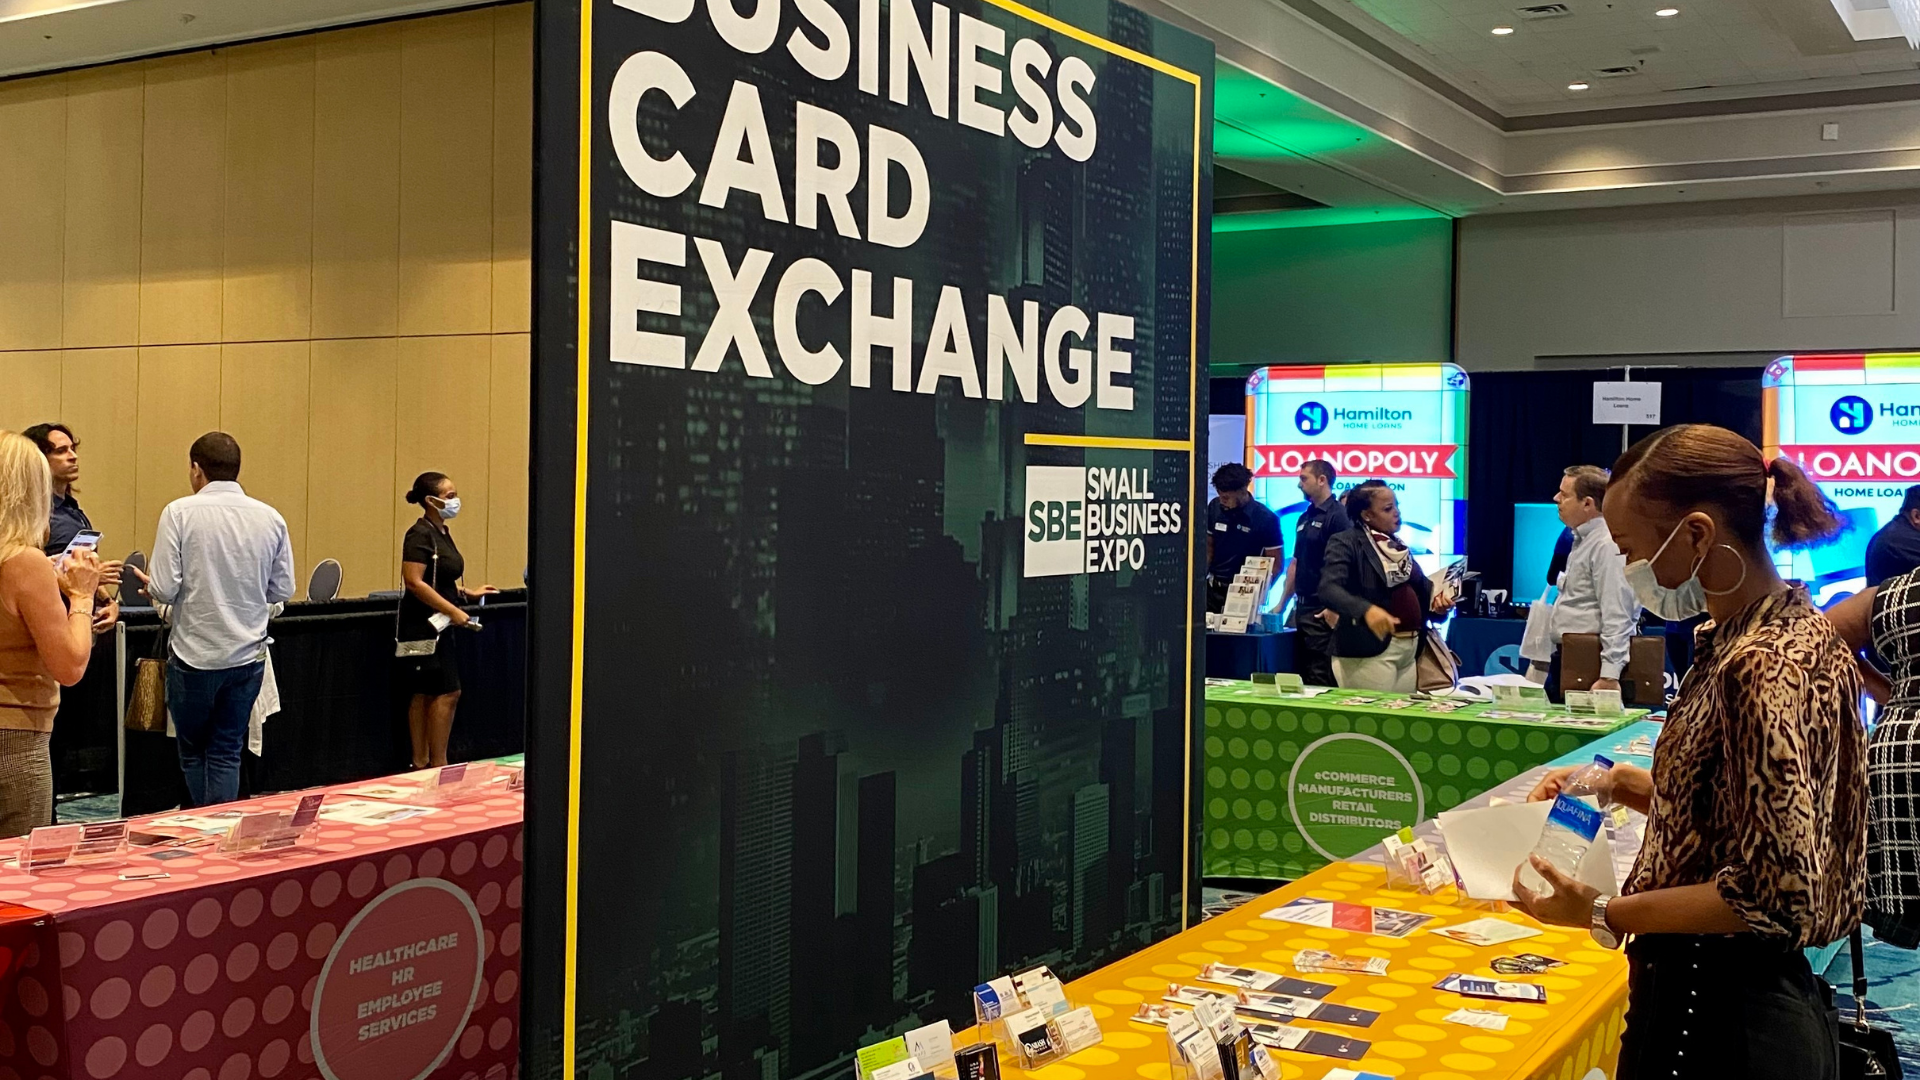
<point x="1756" y="836"/>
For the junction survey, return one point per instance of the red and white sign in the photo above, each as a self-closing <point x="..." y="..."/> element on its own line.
<point x="1378" y="460"/>
<point x="1861" y="461"/>
<point x="397" y="988"/>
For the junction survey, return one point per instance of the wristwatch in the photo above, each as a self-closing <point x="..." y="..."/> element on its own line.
<point x="1601" y="932"/>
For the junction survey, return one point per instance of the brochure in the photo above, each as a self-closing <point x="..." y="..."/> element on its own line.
<point x="363" y="812"/>
<point x="1487" y="931"/>
<point x="1485" y="1019"/>
<point x="1312" y="960"/>
<point x="1283" y="1008"/>
<point x="1469" y="986"/>
<point x="1256" y="979"/>
<point x="1338" y="915"/>
<point x="1307" y="1041"/>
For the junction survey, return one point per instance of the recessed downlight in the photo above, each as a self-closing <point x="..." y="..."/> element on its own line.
<point x="1502" y="31"/>
<point x="1577" y="86"/>
<point x="1667" y="12"/>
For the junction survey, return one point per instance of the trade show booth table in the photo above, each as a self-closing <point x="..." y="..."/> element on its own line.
<point x="1575" y="1030"/>
<point x="387" y="948"/>
<point x="1294" y="783"/>
<point x="1239" y="656"/>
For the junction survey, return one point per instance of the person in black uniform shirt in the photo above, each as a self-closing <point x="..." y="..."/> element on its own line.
<point x="1324" y="518"/>
<point x="431" y="567"/>
<point x="1237" y="526"/>
<point x="1895" y="549"/>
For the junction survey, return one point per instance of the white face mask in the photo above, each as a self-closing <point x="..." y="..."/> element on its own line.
<point x="1683" y="601"/>
<point x="449" y="508"/>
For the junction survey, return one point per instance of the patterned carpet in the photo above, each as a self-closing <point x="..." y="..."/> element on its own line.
<point x="1893" y="995"/>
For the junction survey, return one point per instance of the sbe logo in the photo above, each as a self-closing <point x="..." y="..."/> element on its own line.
<point x="1851" y="415"/>
<point x="1310" y="418"/>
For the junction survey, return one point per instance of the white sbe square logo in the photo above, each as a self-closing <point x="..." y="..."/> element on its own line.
<point x="1056" y="527"/>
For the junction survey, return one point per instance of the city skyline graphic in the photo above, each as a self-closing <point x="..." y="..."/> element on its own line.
<point x="840" y="761"/>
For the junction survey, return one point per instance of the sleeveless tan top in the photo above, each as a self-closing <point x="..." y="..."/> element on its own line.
<point x="29" y="696"/>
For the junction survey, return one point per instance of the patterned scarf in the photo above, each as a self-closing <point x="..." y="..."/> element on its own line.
<point x="1395" y="559"/>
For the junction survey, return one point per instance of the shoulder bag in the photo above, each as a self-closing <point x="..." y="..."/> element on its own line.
<point x="1436" y="667"/>
<point x="147" y="711"/>
<point x="1865" y="1050"/>
<point x="424" y="646"/>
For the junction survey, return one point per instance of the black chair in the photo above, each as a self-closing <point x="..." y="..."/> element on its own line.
<point x="325" y="582"/>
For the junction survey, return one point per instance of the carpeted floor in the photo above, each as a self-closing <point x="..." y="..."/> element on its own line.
<point x="1893" y="994"/>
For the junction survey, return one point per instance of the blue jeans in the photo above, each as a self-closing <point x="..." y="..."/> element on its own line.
<point x="210" y="711"/>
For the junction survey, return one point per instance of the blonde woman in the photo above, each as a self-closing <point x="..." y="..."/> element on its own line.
<point x="46" y="634"/>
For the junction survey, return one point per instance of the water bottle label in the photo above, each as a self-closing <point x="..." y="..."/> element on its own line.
<point x="1575" y="816"/>
<point x="1602" y="761"/>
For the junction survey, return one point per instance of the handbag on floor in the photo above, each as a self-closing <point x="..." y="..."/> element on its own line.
<point x="1865" y="1050"/>
<point x="147" y="711"/>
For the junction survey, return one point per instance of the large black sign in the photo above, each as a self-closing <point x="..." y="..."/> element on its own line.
<point x="865" y="574"/>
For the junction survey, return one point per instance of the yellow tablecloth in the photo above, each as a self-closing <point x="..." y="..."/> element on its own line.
<point x="1576" y="1032"/>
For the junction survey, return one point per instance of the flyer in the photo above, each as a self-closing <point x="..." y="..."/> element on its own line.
<point x="1469" y="986"/>
<point x="1307" y="1041"/>
<point x="1256" y="979"/>
<point x="1485" y="1019"/>
<point x="1487" y="931"/>
<point x="1338" y="915"/>
<point x="1282" y="1008"/>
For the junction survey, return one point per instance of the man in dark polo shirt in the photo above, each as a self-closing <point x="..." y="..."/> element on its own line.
<point x="56" y="441"/>
<point x="1237" y="526"/>
<point x="62" y="450"/>
<point x="1324" y="519"/>
<point x="1895" y="549"/>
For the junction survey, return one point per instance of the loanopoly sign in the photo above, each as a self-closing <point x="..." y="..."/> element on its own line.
<point x="1346" y="791"/>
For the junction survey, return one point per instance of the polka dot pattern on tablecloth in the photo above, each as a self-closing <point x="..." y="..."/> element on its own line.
<point x="1411" y="1040"/>
<point x="210" y="973"/>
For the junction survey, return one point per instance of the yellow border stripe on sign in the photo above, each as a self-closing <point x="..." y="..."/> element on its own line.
<point x="1098" y="42"/>
<point x="1107" y="442"/>
<point x="582" y="355"/>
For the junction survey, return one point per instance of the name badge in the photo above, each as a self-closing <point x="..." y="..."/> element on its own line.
<point x="1219" y="526"/>
<point x="1244" y="528"/>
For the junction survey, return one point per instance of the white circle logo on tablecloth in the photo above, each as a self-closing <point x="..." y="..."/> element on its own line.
<point x="1357" y="790"/>
<point x="399" y="984"/>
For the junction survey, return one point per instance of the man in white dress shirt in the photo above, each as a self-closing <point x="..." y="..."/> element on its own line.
<point x="1594" y="595"/>
<point x="221" y="560"/>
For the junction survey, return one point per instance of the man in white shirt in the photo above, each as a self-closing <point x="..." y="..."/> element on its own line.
<point x="1594" y="595"/>
<point x="221" y="560"/>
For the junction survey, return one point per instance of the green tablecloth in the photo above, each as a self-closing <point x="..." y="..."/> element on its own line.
<point x="1292" y="784"/>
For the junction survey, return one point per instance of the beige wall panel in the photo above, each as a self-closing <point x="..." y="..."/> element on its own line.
<point x="446" y="175"/>
<point x="351" y="488"/>
<point x="29" y="389"/>
<point x="105" y="117"/>
<point x="264" y="405"/>
<point x="512" y="168"/>
<point x="100" y="392"/>
<point x="444" y="410"/>
<point x="507" y="462"/>
<point x="356" y="182"/>
<point x="182" y="196"/>
<point x="179" y="402"/>
<point x="33" y="136"/>
<point x="268" y="277"/>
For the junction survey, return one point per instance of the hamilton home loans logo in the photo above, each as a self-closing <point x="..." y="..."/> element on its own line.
<point x="1091" y="521"/>
<point x="1310" y="418"/>
<point x="1851" y="415"/>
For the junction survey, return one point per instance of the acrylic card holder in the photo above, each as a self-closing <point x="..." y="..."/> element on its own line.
<point x="272" y="832"/>
<point x="88" y="844"/>
<point x="459" y="782"/>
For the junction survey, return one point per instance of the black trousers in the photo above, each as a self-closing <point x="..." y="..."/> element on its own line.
<point x="1725" y="1008"/>
<point x="1554" y="693"/>
<point x="1312" y="646"/>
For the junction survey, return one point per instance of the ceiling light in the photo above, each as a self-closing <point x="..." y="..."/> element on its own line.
<point x="1502" y="31"/>
<point x="1667" y="12"/>
<point x="1576" y="86"/>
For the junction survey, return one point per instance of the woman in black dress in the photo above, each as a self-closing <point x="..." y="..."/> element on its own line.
<point x="431" y="567"/>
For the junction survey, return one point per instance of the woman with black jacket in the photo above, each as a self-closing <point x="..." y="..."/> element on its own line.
<point x="1381" y="594"/>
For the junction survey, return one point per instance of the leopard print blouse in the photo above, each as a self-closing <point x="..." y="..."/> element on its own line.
<point x="1759" y="775"/>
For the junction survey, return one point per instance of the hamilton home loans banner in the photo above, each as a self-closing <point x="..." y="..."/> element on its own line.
<point x="866" y="604"/>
